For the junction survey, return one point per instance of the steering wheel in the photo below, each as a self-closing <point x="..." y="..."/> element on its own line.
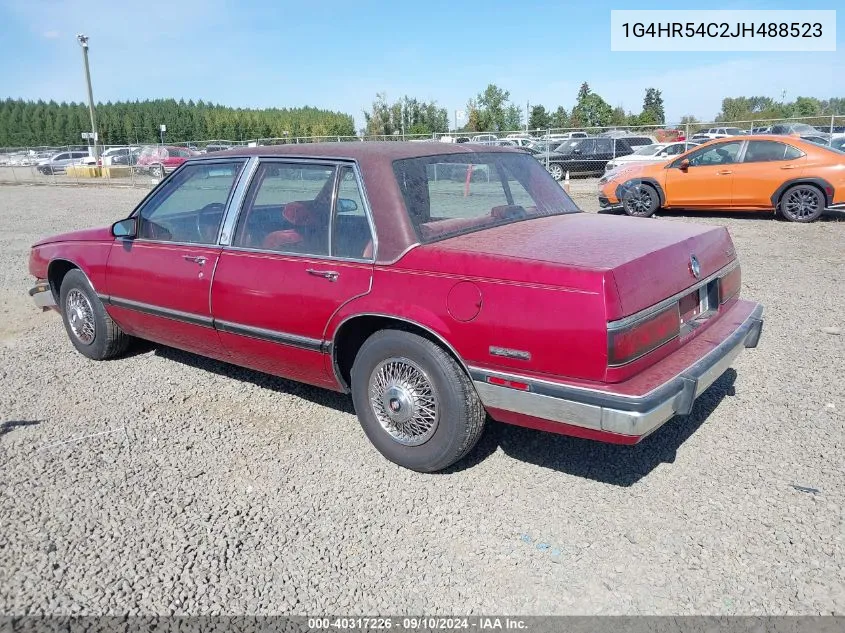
<point x="206" y="230"/>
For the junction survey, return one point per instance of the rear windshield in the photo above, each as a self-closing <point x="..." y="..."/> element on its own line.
<point x="649" y="150"/>
<point x="452" y="194"/>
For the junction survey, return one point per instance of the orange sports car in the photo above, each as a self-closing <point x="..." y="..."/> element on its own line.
<point x="766" y="173"/>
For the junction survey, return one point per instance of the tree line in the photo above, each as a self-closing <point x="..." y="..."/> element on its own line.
<point x="493" y="111"/>
<point x="35" y="123"/>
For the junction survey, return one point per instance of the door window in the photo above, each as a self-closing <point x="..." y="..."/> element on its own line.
<point x="721" y="154"/>
<point x="288" y="208"/>
<point x="765" y="151"/>
<point x="189" y="207"/>
<point x="605" y="145"/>
<point x="351" y="237"/>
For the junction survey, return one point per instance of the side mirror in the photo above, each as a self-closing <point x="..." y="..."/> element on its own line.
<point x="125" y="228"/>
<point x="345" y="205"/>
<point x="684" y="165"/>
<point x="576" y="151"/>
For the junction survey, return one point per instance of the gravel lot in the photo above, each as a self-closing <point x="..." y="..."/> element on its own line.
<point x="164" y="482"/>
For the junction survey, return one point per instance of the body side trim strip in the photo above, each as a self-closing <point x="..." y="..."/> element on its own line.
<point x="167" y="313"/>
<point x="230" y="327"/>
<point x="294" y="340"/>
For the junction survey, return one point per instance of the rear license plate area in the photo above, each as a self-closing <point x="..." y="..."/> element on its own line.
<point x="698" y="306"/>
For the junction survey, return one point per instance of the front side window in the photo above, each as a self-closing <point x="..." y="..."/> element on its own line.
<point x="721" y="154"/>
<point x="604" y="145"/>
<point x="288" y="209"/>
<point x="189" y="207"/>
<point x="459" y="193"/>
<point x="674" y="149"/>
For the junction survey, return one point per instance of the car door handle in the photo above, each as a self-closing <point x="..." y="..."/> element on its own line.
<point x="327" y="274"/>
<point x="724" y="172"/>
<point x="789" y="167"/>
<point x="197" y="259"/>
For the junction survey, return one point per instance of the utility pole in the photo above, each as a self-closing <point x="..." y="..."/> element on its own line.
<point x="527" y="104"/>
<point x="83" y="42"/>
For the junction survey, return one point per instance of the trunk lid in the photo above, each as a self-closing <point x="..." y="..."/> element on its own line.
<point x="646" y="261"/>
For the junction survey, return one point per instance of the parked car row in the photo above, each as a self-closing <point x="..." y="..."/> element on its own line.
<point x="588" y="156"/>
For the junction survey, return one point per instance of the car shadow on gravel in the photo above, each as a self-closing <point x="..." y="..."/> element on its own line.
<point x="607" y="463"/>
<point x="324" y="397"/>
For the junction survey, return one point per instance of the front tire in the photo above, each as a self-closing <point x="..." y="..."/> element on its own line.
<point x="91" y="330"/>
<point x="414" y="402"/>
<point x="640" y="201"/>
<point x="802" y="203"/>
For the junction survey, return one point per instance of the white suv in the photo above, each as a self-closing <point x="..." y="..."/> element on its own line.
<point x="718" y="132"/>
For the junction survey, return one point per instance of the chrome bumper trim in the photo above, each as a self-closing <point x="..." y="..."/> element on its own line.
<point x="615" y="413"/>
<point x="42" y="295"/>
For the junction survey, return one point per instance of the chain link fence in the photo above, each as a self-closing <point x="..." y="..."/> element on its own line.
<point x="565" y="152"/>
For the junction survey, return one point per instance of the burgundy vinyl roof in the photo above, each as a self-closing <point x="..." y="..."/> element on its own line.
<point x="394" y="230"/>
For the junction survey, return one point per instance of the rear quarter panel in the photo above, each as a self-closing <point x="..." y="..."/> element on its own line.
<point x="561" y="326"/>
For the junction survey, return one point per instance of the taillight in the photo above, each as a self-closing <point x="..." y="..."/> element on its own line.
<point x="642" y="337"/>
<point x="729" y="284"/>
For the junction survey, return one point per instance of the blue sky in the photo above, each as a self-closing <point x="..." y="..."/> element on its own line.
<point x="337" y="54"/>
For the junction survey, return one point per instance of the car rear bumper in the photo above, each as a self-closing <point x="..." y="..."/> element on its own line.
<point x="42" y="295"/>
<point x="611" y="415"/>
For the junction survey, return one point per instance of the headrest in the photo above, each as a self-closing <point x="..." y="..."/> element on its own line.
<point x="507" y="211"/>
<point x="298" y="214"/>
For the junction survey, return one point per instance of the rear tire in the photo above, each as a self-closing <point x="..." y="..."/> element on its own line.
<point x="91" y="330"/>
<point x="556" y="171"/>
<point x="802" y="203"/>
<point x="640" y="201"/>
<point x="414" y="402"/>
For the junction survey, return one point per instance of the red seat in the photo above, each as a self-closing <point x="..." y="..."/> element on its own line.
<point x="295" y="213"/>
<point x="279" y="240"/>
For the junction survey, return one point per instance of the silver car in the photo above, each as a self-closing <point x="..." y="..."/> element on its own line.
<point x="58" y="163"/>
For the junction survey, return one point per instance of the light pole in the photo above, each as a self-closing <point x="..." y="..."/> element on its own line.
<point x="83" y="42"/>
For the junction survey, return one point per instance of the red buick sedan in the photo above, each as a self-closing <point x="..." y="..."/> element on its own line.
<point x="437" y="283"/>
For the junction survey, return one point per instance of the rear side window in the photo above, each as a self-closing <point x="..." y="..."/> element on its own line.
<point x="766" y="151"/>
<point x="792" y="153"/>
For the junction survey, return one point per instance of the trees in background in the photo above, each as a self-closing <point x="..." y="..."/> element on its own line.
<point x="590" y="109"/>
<point x="35" y="123"/>
<point x="491" y="111"/>
<point x="761" y="108"/>
<point x="407" y="115"/>
<point x="25" y="123"/>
